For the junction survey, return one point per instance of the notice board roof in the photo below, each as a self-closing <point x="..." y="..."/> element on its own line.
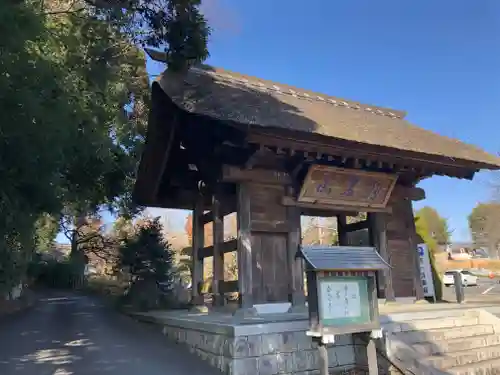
<point x="324" y="258"/>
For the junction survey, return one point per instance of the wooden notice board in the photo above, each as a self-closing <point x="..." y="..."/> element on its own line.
<point x="347" y="187"/>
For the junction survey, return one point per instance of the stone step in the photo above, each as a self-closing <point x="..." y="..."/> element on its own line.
<point x="442" y="347"/>
<point x="443" y="334"/>
<point x="488" y="367"/>
<point x="464" y="357"/>
<point x="428" y="324"/>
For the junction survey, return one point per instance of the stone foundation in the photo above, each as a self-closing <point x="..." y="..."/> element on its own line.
<point x="265" y="352"/>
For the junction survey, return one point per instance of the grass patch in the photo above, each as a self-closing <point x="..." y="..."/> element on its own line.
<point x="106" y="287"/>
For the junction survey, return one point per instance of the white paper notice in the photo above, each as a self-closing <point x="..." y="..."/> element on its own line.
<point x="340" y="299"/>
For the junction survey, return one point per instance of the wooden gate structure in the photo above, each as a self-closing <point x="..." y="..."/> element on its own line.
<point x="221" y="142"/>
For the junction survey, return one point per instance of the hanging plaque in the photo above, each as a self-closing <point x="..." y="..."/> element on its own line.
<point x="347" y="187"/>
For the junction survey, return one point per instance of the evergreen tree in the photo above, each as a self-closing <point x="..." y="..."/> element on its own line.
<point x="146" y="255"/>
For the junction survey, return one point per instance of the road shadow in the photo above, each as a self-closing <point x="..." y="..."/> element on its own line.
<point x="79" y="336"/>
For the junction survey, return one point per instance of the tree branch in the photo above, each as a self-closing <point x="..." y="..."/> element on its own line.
<point x="55" y="11"/>
<point x="59" y="12"/>
<point x="88" y="237"/>
<point x="69" y="233"/>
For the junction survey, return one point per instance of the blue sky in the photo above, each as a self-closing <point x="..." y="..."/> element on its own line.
<point x="437" y="60"/>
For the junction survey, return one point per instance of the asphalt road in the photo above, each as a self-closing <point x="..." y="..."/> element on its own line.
<point x="485" y="290"/>
<point x="77" y="335"/>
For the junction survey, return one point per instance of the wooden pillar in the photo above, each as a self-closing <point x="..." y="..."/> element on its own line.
<point x="245" y="282"/>
<point x="378" y="225"/>
<point x="295" y="264"/>
<point x="218" y="257"/>
<point x="412" y="234"/>
<point x="371" y="354"/>
<point x="342" y="229"/>
<point x="198" y="244"/>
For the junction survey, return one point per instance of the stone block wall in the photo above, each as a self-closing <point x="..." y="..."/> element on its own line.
<point x="284" y="353"/>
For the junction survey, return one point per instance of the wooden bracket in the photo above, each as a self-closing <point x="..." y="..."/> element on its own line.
<point x="254" y="158"/>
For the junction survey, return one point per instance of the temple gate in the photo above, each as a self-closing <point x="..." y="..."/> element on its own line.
<point x="220" y="142"/>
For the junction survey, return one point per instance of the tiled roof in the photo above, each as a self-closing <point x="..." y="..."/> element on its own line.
<point x="343" y="258"/>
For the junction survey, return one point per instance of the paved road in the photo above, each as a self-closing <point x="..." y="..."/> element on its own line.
<point x="486" y="290"/>
<point x="74" y="335"/>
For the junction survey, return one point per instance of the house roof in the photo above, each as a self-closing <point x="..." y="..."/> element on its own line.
<point x="250" y="101"/>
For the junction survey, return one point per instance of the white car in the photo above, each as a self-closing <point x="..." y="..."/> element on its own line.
<point x="468" y="278"/>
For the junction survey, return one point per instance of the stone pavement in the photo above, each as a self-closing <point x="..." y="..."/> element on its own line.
<point x="491" y="305"/>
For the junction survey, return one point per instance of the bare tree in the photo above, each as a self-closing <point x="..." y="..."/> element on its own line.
<point x="320" y="231"/>
<point x="88" y="241"/>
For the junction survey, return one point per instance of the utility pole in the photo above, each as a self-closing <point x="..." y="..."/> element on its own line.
<point x="320" y="231"/>
<point x="323" y="228"/>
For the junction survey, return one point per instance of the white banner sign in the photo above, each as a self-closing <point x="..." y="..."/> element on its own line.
<point x="426" y="271"/>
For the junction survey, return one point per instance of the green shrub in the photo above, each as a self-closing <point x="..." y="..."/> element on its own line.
<point x="436" y="278"/>
<point x="54" y="274"/>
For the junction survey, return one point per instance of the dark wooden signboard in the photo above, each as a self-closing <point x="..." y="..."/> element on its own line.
<point x="338" y="186"/>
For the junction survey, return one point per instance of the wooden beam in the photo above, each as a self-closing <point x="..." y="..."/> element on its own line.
<point x="296" y="170"/>
<point x="160" y="137"/>
<point x="295" y="264"/>
<point x="226" y="208"/>
<point x="181" y="199"/>
<point x="324" y="213"/>
<point x="254" y="158"/>
<point x="410" y="224"/>
<point x="245" y="282"/>
<point x="416" y="194"/>
<point x="225" y="247"/>
<point x="165" y="156"/>
<point x="412" y="193"/>
<point x="342" y="233"/>
<point x="288" y="201"/>
<point x="197" y="264"/>
<point x="349" y="149"/>
<point x="352" y="227"/>
<point x="371" y="354"/>
<point x="378" y="223"/>
<point x="235" y="174"/>
<point x="207" y="217"/>
<point x="270" y="226"/>
<point x="230" y="286"/>
<point x="218" y="257"/>
<point x="295" y="166"/>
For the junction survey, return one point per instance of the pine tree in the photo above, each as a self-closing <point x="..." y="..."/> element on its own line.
<point x="146" y="255"/>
